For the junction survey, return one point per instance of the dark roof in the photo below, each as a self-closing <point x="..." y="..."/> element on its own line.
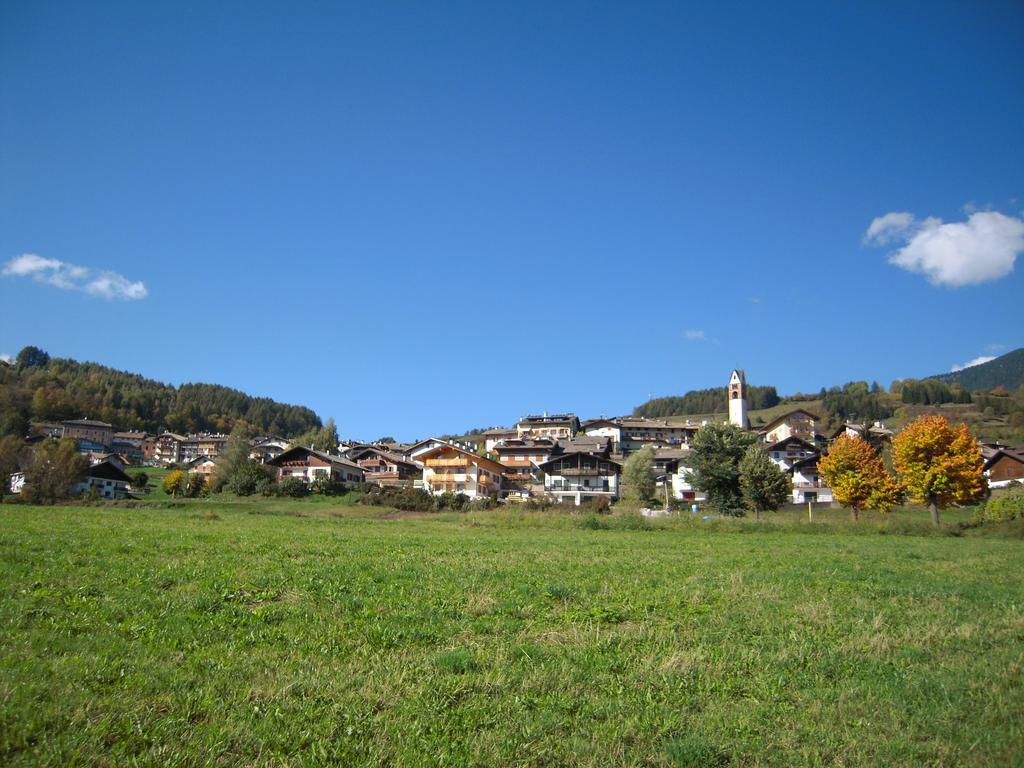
<point x="779" y="419"/>
<point x="88" y="423"/>
<point x="588" y="454"/>
<point x="105" y="470"/>
<point x="1009" y="453"/>
<point x="779" y="445"/>
<point x="301" y="450"/>
<point x="395" y="458"/>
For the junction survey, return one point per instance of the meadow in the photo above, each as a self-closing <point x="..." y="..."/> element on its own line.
<point x="315" y="632"/>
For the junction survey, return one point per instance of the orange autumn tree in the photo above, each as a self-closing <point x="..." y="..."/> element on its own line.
<point x="939" y="464"/>
<point x="857" y="476"/>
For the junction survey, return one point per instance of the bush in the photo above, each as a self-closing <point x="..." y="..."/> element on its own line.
<point x="325" y="485"/>
<point x="404" y="499"/>
<point x="245" y="480"/>
<point x="173" y="483"/>
<point x="1009" y="507"/>
<point x="292" y="487"/>
<point x="456" y="502"/>
<point x="482" y="504"/>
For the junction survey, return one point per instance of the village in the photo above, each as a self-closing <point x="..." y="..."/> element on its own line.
<point x="554" y="457"/>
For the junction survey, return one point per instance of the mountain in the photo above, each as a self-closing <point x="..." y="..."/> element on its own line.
<point x="40" y="388"/>
<point x="1006" y="371"/>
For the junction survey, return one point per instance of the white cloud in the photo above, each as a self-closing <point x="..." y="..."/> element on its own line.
<point x="887" y="228"/>
<point x="71" y="277"/>
<point x="696" y="335"/>
<point x="979" y="250"/>
<point x="975" y="361"/>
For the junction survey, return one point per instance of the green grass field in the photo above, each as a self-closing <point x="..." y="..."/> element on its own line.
<point x="273" y="633"/>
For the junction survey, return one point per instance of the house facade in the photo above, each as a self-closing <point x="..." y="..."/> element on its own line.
<point x="798" y="423"/>
<point x="785" y="453"/>
<point x="383" y="467"/>
<point x="580" y="476"/>
<point x="560" y="426"/>
<point x="450" y="469"/>
<point x="167" y="449"/>
<point x="630" y="434"/>
<point x="807" y="483"/>
<point x="130" y="445"/>
<point x="91" y="435"/>
<point x="307" y="465"/>
<point x="108" y="480"/>
<point x="1004" y="466"/>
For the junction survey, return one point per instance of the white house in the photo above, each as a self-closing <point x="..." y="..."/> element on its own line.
<point x="577" y="477"/>
<point x="790" y="450"/>
<point x="450" y="469"/>
<point x="807" y="484"/>
<point x="307" y="465"/>
<point x="107" y="478"/>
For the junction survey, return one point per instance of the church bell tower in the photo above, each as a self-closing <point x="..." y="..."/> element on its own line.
<point x="738" y="399"/>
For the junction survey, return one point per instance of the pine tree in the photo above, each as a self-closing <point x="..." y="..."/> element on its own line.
<point x="763" y="484"/>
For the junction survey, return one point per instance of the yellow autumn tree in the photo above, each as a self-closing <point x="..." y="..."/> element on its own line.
<point x="857" y="476"/>
<point x="940" y="464"/>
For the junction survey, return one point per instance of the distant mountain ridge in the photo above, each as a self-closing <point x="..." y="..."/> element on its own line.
<point x="1005" y="371"/>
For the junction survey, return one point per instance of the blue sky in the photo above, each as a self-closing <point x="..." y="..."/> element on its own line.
<point x="423" y="217"/>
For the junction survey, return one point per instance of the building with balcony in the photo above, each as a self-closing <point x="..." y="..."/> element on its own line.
<point x="131" y="445"/>
<point x="168" y="449"/>
<point x="560" y="426"/>
<point x="307" y="465"/>
<point x="450" y="469"/>
<point x="787" y="452"/>
<point x="807" y="484"/>
<point x="384" y="467"/>
<point x="629" y="434"/>
<point x="521" y="458"/>
<point x="579" y="476"/>
<point x="798" y="423"/>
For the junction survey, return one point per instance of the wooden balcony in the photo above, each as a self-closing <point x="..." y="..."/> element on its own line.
<point x="447" y="462"/>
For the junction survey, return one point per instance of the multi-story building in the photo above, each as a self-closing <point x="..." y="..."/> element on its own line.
<point x="521" y="459"/>
<point x="167" y="450"/>
<point x="201" y="444"/>
<point x="785" y="453"/>
<point x="91" y="435"/>
<point x="383" y="467"/>
<point x="130" y="445"/>
<point x="266" y="448"/>
<point x="577" y="477"/>
<point x="448" y="468"/>
<point x="560" y="426"/>
<point x="630" y="433"/>
<point x="807" y="483"/>
<point x="798" y="423"/>
<point x="307" y="465"/>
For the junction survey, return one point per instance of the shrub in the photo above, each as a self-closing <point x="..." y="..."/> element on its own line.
<point x="292" y="487"/>
<point x="173" y="483"/>
<point x="325" y="485"/>
<point x="244" y="480"/>
<point x="404" y="499"/>
<point x="1003" y="508"/>
<point x="453" y="501"/>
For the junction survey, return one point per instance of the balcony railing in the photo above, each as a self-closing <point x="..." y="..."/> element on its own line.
<point x="603" y="488"/>
<point x="447" y="462"/>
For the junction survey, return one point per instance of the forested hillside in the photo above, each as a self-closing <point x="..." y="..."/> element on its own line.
<point x="1006" y="371"/>
<point x="703" y="401"/>
<point x="39" y="388"/>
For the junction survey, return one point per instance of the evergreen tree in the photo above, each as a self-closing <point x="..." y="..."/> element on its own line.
<point x="715" y="457"/>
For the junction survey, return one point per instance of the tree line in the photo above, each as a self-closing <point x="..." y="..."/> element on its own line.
<point x="705" y="401"/>
<point x="40" y="388"/>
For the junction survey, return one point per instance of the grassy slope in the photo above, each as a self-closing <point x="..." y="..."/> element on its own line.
<point x="217" y="635"/>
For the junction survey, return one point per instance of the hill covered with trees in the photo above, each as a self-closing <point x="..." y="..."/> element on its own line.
<point x="37" y="387"/>
<point x="1006" y="371"/>
<point x="702" y="401"/>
